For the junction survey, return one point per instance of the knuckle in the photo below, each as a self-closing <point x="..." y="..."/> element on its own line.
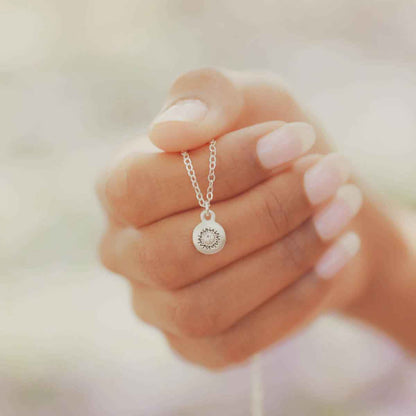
<point x="274" y="211"/>
<point x="162" y="279"/>
<point x="229" y="351"/>
<point x="167" y="274"/>
<point x="192" y="319"/>
<point x="206" y="74"/>
<point x="149" y="263"/>
<point x="268" y="78"/>
<point x="294" y="248"/>
<point x="115" y="186"/>
<point x="106" y="252"/>
<point x="215" y="353"/>
<point x="153" y="269"/>
<point x="127" y="188"/>
<point x="137" y="304"/>
<point x="187" y="349"/>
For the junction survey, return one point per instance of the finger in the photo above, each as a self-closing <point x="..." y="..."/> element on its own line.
<point x="213" y="304"/>
<point x="205" y="103"/>
<point x="143" y="188"/>
<point x="162" y="254"/>
<point x="273" y="321"/>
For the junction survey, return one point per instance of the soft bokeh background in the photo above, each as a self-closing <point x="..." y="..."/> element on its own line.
<point x="77" y="79"/>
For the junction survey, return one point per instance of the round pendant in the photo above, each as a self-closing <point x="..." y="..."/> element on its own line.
<point x="208" y="236"/>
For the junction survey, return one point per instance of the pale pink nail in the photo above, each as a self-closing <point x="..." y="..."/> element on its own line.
<point x="184" y="110"/>
<point x="322" y="180"/>
<point x="284" y="144"/>
<point x="333" y="218"/>
<point x="338" y="255"/>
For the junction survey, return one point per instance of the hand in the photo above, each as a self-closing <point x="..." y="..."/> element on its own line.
<point x="281" y="220"/>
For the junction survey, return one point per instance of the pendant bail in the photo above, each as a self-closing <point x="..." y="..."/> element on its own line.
<point x="208" y="216"/>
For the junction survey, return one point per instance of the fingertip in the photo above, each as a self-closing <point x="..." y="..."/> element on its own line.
<point x="176" y="136"/>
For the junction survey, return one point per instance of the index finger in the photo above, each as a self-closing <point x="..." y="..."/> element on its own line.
<point x="144" y="188"/>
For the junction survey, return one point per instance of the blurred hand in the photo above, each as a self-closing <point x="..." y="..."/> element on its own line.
<point x="290" y="251"/>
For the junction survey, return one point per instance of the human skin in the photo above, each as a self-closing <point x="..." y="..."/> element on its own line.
<point x="292" y="244"/>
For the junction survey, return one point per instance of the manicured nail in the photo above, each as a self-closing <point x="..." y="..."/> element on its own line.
<point x="284" y="144"/>
<point x="333" y="218"/>
<point x="322" y="180"/>
<point x="338" y="255"/>
<point x="184" y="110"/>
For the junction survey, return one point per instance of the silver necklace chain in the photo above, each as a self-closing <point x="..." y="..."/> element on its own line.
<point x="208" y="236"/>
<point x="203" y="202"/>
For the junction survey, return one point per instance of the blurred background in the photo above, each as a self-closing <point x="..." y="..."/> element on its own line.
<point x="77" y="79"/>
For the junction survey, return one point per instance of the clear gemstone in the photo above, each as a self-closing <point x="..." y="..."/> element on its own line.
<point x="208" y="237"/>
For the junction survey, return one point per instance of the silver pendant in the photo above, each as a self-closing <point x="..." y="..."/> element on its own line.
<point x="208" y="236"/>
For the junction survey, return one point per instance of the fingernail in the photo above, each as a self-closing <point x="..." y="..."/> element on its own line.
<point x="333" y="218"/>
<point x="322" y="180"/>
<point x="338" y="255"/>
<point x="184" y="110"/>
<point x="285" y="144"/>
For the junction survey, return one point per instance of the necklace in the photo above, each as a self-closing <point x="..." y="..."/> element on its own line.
<point x="208" y="236"/>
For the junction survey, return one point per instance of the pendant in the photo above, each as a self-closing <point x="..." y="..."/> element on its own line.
<point x="208" y="236"/>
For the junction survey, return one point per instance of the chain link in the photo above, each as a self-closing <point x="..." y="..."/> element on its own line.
<point x="203" y="202"/>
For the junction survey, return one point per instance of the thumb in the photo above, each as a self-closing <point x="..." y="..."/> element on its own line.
<point x="201" y="105"/>
<point x="206" y="103"/>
